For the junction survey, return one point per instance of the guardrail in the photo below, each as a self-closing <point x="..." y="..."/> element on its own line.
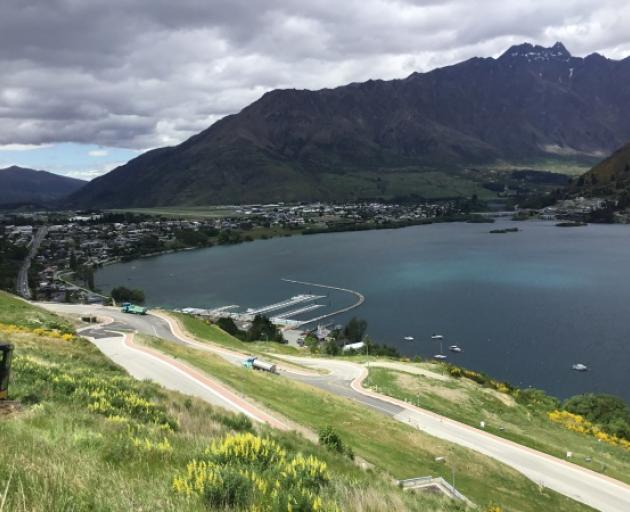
<point x="412" y="482"/>
<point x="439" y="482"/>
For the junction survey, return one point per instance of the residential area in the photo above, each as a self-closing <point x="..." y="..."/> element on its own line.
<point x="77" y="243"/>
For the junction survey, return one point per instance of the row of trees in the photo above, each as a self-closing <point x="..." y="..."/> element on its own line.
<point x="261" y="329"/>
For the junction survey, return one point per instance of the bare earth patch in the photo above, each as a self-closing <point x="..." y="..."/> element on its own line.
<point x="416" y="385"/>
<point x="507" y="400"/>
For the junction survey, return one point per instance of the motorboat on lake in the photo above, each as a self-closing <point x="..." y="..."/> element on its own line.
<point x="408" y="338"/>
<point x="579" y="367"/>
<point x="455" y="348"/>
<point x="439" y="357"/>
<point x="437" y="337"/>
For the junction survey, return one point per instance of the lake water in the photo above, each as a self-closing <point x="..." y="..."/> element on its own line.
<point x="523" y="306"/>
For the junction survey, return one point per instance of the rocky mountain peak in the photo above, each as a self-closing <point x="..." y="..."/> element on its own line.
<point x="537" y="53"/>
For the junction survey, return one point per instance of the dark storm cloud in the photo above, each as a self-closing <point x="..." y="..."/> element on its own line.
<point x="143" y="73"/>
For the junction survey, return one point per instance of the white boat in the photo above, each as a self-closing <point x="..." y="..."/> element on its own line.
<point x="579" y="367"/>
<point x="408" y="338"/>
<point x="437" y="337"/>
<point x="455" y="348"/>
<point x="440" y="357"/>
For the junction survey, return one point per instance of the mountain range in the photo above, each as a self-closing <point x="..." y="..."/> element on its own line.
<point x="21" y="186"/>
<point x="385" y="138"/>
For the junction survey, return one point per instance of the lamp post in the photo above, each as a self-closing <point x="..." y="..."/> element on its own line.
<point x="367" y="355"/>
<point x="443" y="459"/>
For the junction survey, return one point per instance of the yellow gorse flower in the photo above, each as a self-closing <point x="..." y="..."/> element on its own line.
<point x="578" y="423"/>
<point x="276" y="480"/>
<point x="37" y="331"/>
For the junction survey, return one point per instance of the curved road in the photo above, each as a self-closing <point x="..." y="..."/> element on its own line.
<point x="114" y="337"/>
<point x="344" y="379"/>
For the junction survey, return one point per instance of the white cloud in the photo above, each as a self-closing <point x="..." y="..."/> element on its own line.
<point x="153" y="72"/>
<point x="23" y="147"/>
<point x="98" y="153"/>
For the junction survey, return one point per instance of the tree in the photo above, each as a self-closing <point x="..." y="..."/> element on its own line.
<point x="228" y="325"/>
<point x="331" y="348"/>
<point x="331" y="439"/>
<point x="355" y="330"/>
<point x="123" y="294"/>
<point x="263" y="329"/>
<point x="73" y="260"/>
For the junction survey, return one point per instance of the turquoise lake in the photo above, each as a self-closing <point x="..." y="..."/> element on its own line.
<point x="523" y="306"/>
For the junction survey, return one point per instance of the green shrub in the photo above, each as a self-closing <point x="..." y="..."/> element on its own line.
<point x="230" y="489"/>
<point x="612" y="414"/>
<point x="331" y="439"/>
<point x="245" y="469"/>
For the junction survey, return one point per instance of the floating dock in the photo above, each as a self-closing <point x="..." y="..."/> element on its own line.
<point x="298" y="299"/>
<point x="295" y="312"/>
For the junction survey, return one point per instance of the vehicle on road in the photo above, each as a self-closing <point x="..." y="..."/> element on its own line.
<point x="132" y="309"/>
<point x="255" y="364"/>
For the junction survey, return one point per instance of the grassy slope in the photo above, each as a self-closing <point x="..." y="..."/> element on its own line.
<point x="470" y="403"/>
<point x="203" y="331"/>
<point x="57" y="455"/>
<point x="400" y="450"/>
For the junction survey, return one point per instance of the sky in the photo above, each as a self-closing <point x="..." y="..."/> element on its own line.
<point x="87" y="85"/>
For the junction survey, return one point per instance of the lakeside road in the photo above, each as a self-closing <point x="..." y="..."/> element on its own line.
<point x="345" y="379"/>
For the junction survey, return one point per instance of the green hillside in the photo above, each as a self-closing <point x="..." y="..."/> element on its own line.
<point x="609" y="178"/>
<point x="80" y="435"/>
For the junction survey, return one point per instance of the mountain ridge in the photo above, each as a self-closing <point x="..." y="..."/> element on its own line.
<point x="21" y="185"/>
<point x="336" y="144"/>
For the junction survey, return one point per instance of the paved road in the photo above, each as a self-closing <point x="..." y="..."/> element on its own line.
<point x="344" y="379"/>
<point x="22" y="279"/>
<point x="115" y="340"/>
<point x="593" y="489"/>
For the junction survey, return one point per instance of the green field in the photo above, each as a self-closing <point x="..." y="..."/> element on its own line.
<point x="429" y="184"/>
<point x="80" y="435"/>
<point x="471" y="403"/>
<point x="385" y="443"/>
